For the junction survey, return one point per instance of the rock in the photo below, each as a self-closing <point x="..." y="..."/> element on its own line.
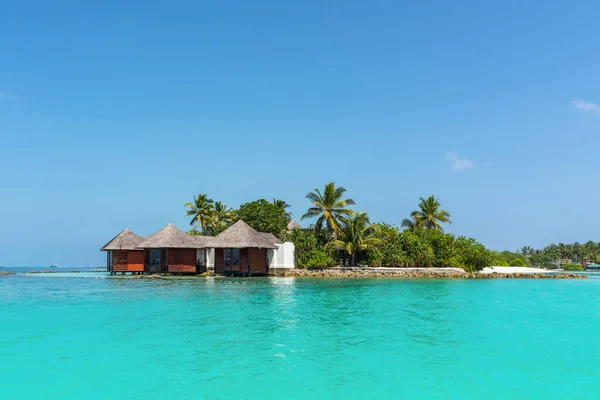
<point x="418" y="273"/>
<point x="6" y="273"/>
<point x="47" y="271"/>
<point x="153" y="276"/>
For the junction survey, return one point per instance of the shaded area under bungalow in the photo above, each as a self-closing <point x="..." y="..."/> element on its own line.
<point x="174" y="251"/>
<point x="241" y="250"/>
<point x="123" y="253"/>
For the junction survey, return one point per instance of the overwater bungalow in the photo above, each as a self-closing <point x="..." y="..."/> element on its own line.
<point x="241" y="250"/>
<point x="172" y="250"/>
<point x="123" y="253"/>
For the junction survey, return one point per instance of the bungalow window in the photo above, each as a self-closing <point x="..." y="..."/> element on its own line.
<point x="232" y="257"/>
<point x="155" y="257"/>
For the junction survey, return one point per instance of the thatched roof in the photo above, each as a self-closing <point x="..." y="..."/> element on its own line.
<point x="240" y="236"/>
<point x="126" y="240"/>
<point x="274" y="239"/>
<point x="171" y="237"/>
<point x="293" y="225"/>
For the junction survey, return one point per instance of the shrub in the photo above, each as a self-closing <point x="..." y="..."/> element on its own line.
<point x="428" y="248"/>
<point x="500" y="260"/>
<point x="473" y="255"/>
<point x="310" y="249"/>
<point x="389" y="254"/>
<point x="418" y="252"/>
<point x="517" y="262"/>
<point x="572" y="267"/>
<point x="442" y="245"/>
<point x="316" y="258"/>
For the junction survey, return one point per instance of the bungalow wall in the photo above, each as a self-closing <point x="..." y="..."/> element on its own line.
<point x="219" y="261"/>
<point x="181" y="260"/>
<point x="250" y="260"/>
<point x="127" y="261"/>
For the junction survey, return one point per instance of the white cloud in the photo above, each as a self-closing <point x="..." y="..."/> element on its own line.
<point x="459" y="164"/>
<point x="586" y="106"/>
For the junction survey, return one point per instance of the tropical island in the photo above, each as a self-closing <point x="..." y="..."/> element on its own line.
<point x="261" y="238"/>
<point x="344" y="237"/>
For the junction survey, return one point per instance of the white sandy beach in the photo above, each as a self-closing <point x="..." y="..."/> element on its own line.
<point x="515" y="270"/>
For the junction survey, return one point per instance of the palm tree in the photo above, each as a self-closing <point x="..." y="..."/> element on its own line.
<point x="411" y="223"/>
<point x="356" y="234"/>
<point x="283" y="205"/>
<point x="202" y="210"/>
<point x="222" y="216"/>
<point x="429" y="215"/>
<point x="576" y="250"/>
<point x="329" y="207"/>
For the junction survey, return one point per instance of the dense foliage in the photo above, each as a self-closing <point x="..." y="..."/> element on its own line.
<point x="572" y="267"/>
<point x="427" y="248"/>
<point x="211" y="218"/>
<point x="517" y="262"/>
<point x="264" y="216"/>
<point x="555" y="255"/>
<point x="504" y="258"/>
<point x="356" y="234"/>
<point x="347" y="237"/>
<point x="311" y="248"/>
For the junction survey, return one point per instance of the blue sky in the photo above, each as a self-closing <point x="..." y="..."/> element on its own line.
<point x="114" y="115"/>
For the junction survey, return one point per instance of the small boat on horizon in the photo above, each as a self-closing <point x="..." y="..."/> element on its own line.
<point x="55" y="266"/>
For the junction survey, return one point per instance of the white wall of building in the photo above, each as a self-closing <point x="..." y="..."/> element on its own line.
<point x="282" y="256"/>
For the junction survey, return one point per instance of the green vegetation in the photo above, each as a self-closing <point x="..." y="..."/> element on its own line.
<point x="221" y="219"/>
<point x="311" y="248"/>
<point x="283" y="205"/>
<point x="506" y="258"/>
<point x="342" y="236"/>
<point x="356" y="234"/>
<point x="201" y="209"/>
<point x="572" y="267"/>
<point x="428" y="216"/>
<point x="211" y="218"/>
<point x="558" y="255"/>
<point x="208" y="217"/>
<point x="423" y="243"/>
<point x="517" y="262"/>
<point x="329" y="207"/>
<point x="264" y="216"/>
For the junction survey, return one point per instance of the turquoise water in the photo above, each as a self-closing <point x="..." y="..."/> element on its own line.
<point x="92" y="337"/>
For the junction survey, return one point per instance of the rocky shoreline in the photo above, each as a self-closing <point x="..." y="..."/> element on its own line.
<point x="420" y="273"/>
<point x="47" y="271"/>
<point x="402" y="273"/>
<point x="6" y="273"/>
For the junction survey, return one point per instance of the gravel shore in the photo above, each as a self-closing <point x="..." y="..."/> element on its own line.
<point x="420" y="273"/>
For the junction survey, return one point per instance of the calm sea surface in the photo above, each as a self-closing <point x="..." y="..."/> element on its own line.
<point x="86" y="336"/>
